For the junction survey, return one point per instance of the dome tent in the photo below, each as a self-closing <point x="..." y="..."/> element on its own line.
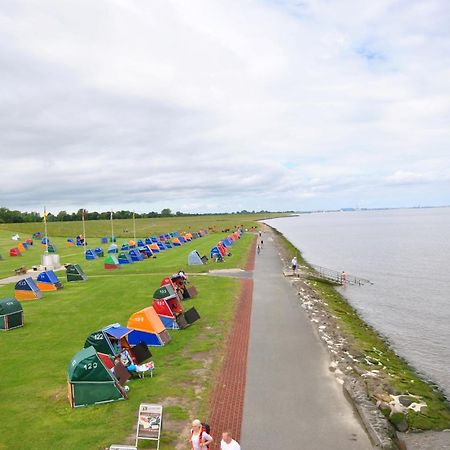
<point x="11" y="314"/>
<point x="90" y="382"/>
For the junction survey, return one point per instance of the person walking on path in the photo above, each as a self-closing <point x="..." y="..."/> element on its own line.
<point x="262" y="243"/>
<point x="258" y="249"/>
<point x="294" y="265"/>
<point x="228" y="443"/>
<point x="200" y="439"/>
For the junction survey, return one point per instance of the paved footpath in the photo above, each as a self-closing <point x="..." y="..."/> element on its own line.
<point x="292" y="401"/>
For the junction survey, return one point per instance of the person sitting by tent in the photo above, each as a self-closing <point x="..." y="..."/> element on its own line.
<point x="128" y="363"/>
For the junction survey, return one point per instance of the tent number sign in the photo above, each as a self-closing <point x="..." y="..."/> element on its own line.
<point x="90" y="366"/>
<point x="149" y="423"/>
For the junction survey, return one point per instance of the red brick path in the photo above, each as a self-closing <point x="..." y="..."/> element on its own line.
<point x="227" y="399"/>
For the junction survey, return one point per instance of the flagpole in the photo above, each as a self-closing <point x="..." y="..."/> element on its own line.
<point x="134" y="227"/>
<point x="84" y="232"/>
<point x="45" y="230"/>
<point x="112" y="227"/>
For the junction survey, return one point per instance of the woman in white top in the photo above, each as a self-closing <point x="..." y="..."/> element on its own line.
<point x="199" y="439"/>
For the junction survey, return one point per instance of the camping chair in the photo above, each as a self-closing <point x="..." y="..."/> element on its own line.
<point x="141" y="370"/>
<point x="133" y="369"/>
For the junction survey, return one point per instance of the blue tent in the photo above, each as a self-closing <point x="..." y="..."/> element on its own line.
<point x="227" y="242"/>
<point x="136" y="255"/>
<point x="49" y="277"/>
<point x="27" y="289"/>
<point x="99" y="251"/>
<point x="182" y="239"/>
<point x="161" y="245"/>
<point x="154" y="239"/>
<point x="124" y="258"/>
<point x="90" y="254"/>
<point x="144" y="250"/>
<point x="125" y="247"/>
<point x="104" y="240"/>
<point x="140" y="243"/>
<point x="215" y="253"/>
<point x="113" y="249"/>
<point x="148" y="241"/>
<point x="108" y="338"/>
<point x="168" y="244"/>
<point x="45" y="241"/>
<point x="116" y="331"/>
<point x="194" y="259"/>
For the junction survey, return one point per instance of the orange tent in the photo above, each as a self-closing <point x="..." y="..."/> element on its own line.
<point x="148" y="328"/>
<point x="21" y="247"/>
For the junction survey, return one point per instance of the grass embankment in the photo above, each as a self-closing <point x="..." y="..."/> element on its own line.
<point x="395" y="375"/>
<point x="34" y="410"/>
<point x="144" y="227"/>
<point x="170" y="260"/>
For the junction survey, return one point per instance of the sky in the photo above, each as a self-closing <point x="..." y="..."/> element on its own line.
<point x="207" y="106"/>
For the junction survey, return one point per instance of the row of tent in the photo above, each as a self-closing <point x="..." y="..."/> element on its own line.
<point x="223" y="247"/>
<point x="97" y="374"/>
<point x="138" y="251"/>
<point x="29" y="289"/>
<point x="21" y="247"/>
<point x="218" y="252"/>
<point x="11" y="311"/>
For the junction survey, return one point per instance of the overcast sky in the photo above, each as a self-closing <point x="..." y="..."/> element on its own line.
<point x="224" y="105"/>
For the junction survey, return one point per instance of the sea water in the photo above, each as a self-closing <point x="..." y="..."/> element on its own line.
<point x="406" y="254"/>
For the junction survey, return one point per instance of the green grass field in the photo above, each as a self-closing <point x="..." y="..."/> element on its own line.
<point x="144" y="227"/>
<point x="34" y="410"/>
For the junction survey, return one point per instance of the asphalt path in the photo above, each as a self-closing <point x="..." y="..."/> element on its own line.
<point x="292" y="401"/>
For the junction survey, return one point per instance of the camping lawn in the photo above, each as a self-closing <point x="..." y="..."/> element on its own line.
<point x="35" y="412"/>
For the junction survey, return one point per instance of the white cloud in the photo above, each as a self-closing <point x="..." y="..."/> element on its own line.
<point x="205" y="104"/>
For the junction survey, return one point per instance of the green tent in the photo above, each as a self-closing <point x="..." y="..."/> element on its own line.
<point x="90" y="382"/>
<point x="75" y="273"/>
<point x="100" y="341"/>
<point x="11" y="314"/>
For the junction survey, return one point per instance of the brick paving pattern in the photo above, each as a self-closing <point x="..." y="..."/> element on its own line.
<point x="227" y="399"/>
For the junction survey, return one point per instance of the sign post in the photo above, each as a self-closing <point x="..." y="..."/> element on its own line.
<point x="149" y="423"/>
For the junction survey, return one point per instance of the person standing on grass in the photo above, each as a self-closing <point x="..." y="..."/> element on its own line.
<point x="294" y="264"/>
<point x="200" y="439"/>
<point x="228" y="443"/>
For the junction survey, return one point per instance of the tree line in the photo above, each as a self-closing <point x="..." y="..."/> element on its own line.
<point x="14" y="216"/>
